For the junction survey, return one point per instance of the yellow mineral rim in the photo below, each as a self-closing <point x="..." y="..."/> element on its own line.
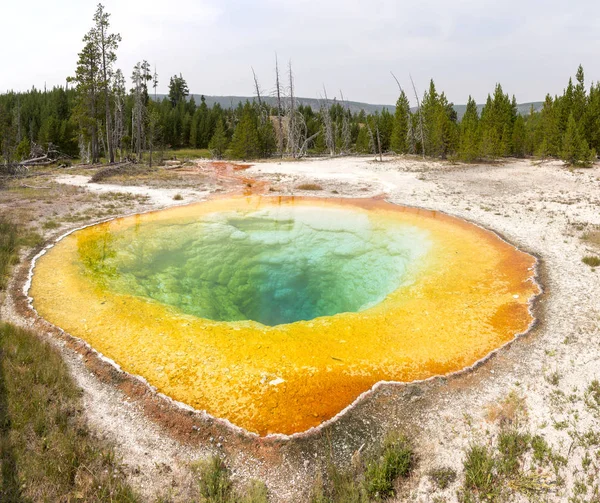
<point x="468" y="295"/>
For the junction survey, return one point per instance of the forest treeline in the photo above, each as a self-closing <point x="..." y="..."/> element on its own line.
<point x="95" y="116"/>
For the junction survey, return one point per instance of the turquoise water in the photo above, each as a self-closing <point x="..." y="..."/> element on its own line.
<point x="274" y="266"/>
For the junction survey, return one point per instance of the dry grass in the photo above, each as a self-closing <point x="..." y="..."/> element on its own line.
<point x="512" y="410"/>
<point x="309" y="186"/>
<point x="592" y="237"/>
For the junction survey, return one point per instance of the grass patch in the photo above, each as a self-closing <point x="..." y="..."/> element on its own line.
<point x="215" y="485"/>
<point x="8" y="250"/>
<point x="50" y="224"/>
<point x="188" y="153"/>
<point x="442" y="477"/>
<point x="367" y="482"/>
<point x="309" y="186"/>
<point x="395" y="461"/>
<point x="47" y="452"/>
<point x="46" y="449"/>
<point x="124" y="198"/>
<point x="11" y="239"/>
<point x="518" y="464"/>
<point x="591" y="260"/>
<point x="592" y="237"/>
<point x="480" y="472"/>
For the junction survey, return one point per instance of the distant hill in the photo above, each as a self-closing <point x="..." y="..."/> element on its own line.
<point x="355" y="106"/>
<point x="522" y="108"/>
<point x="232" y="102"/>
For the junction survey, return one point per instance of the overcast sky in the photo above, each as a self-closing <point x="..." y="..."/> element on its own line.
<point x="466" y="46"/>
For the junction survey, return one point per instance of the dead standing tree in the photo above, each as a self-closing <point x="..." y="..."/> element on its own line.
<point x="118" y="91"/>
<point x="346" y="132"/>
<point x="263" y="111"/>
<point x="292" y="140"/>
<point x="140" y="77"/>
<point x="328" y="125"/>
<point x="279" y="109"/>
<point x="297" y="141"/>
<point x="419" y="111"/>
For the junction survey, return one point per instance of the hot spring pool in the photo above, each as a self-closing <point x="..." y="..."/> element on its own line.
<point x="277" y="313"/>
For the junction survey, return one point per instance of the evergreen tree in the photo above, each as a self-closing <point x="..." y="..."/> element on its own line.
<point x="362" y="141"/>
<point x="550" y="130"/>
<point x="575" y="149"/>
<point x="444" y="136"/>
<point x="245" y="143"/>
<point x="219" y="141"/>
<point x="399" y="139"/>
<point x="591" y="119"/>
<point x="106" y="44"/>
<point x="87" y="80"/>
<point x="519" y="137"/>
<point x="579" y="95"/>
<point x="178" y="90"/>
<point x="267" y="139"/>
<point x="469" y="149"/>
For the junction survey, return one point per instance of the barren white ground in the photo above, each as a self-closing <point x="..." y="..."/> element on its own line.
<point x="542" y="208"/>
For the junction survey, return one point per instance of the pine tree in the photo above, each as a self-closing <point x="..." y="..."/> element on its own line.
<point x="267" y="139"/>
<point x="87" y="80"/>
<point x="497" y="119"/>
<point x="591" y="118"/>
<point x="218" y="142"/>
<point x="106" y="44"/>
<point x="245" y="143"/>
<point x="579" y="95"/>
<point x="519" y="137"/>
<point x="575" y="149"/>
<point x="399" y="139"/>
<point x="362" y="141"/>
<point x="549" y="124"/>
<point x="469" y="149"/>
<point x="178" y="90"/>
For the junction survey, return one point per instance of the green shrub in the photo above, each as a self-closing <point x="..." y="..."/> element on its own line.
<point x="480" y="471"/>
<point x="396" y="460"/>
<point x="214" y="482"/>
<point x="591" y="260"/>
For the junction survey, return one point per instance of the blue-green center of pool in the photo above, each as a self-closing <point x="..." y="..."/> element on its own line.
<point x="272" y="266"/>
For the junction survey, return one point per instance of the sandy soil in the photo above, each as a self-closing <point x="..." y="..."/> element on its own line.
<point x="544" y="209"/>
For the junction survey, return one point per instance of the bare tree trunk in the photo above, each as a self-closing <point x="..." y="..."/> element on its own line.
<point x="95" y="157"/>
<point x="292" y="122"/>
<point x="420" y="117"/>
<point x="346" y="133"/>
<point x="379" y="144"/>
<point x="328" y="124"/>
<point x="279" y="109"/>
<point x="397" y="82"/>
<point x="257" y="88"/>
